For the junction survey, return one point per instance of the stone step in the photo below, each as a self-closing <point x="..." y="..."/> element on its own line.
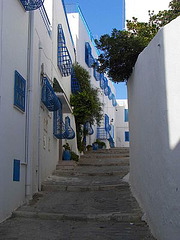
<point x="104" y="156"/>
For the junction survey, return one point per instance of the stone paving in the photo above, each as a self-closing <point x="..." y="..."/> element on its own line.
<point x="85" y="201"/>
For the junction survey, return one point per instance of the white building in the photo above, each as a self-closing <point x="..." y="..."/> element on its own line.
<point x="122" y="123"/>
<point x="84" y="43"/>
<point x="30" y="60"/>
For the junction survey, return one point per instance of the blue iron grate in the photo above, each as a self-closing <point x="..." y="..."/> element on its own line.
<point x="59" y="129"/>
<point x="114" y="102"/>
<point x="88" y="56"/>
<point x="107" y="91"/>
<point x="75" y="86"/>
<point x="19" y="91"/>
<point x="64" y="61"/>
<point x="49" y="97"/>
<point x="96" y="73"/>
<point x="30" y="5"/>
<point x="101" y="133"/>
<point x="89" y="128"/>
<point x="70" y="134"/>
<point x="102" y="81"/>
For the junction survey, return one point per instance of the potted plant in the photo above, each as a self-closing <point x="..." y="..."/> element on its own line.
<point x="66" y="152"/>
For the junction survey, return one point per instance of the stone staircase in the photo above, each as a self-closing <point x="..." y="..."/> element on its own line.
<point x="84" y="200"/>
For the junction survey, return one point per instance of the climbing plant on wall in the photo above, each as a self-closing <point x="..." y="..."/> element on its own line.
<point x="86" y="104"/>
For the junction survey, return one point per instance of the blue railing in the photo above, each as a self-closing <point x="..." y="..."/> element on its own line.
<point x="64" y="61"/>
<point x="101" y="134"/>
<point x="59" y="129"/>
<point x="45" y="18"/>
<point x="89" y="128"/>
<point x="48" y="96"/>
<point x="30" y="5"/>
<point x="70" y="134"/>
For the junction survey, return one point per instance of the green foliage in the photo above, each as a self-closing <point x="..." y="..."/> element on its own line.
<point x="66" y="146"/>
<point x="74" y="156"/>
<point x="100" y="144"/>
<point x="121" y="49"/>
<point x="86" y="105"/>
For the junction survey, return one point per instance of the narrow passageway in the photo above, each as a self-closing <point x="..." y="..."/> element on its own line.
<point x="85" y="201"/>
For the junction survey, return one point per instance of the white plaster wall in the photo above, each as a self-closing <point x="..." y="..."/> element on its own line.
<point x="121" y="125"/>
<point x="154" y="114"/>
<point x="13" y="44"/>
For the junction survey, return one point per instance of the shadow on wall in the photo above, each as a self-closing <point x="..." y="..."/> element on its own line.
<point x="154" y="116"/>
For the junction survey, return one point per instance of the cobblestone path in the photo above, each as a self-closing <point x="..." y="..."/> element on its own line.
<point x="87" y="201"/>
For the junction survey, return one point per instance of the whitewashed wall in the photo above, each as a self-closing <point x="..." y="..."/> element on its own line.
<point x="121" y="125"/>
<point x="154" y="114"/>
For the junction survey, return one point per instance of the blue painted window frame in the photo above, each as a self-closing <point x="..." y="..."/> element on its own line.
<point x="19" y="91"/>
<point x="126" y="136"/>
<point x="126" y="115"/>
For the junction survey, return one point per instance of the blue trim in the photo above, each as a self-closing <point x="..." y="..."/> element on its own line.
<point x="48" y="96"/>
<point x="59" y="129"/>
<point x="45" y="19"/>
<point x="30" y="5"/>
<point x="107" y="126"/>
<point x="70" y="134"/>
<point x="64" y="61"/>
<point x="19" y="91"/>
<point x="126" y="136"/>
<point x="16" y="170"/>
<point x="126" y="115"/>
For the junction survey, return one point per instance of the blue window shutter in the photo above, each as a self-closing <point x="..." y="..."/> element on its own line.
<point x="19" y="91"/>
<point x="16" y="170"/>
<point x="126" y="136"/>
<point x="126" y="115"/>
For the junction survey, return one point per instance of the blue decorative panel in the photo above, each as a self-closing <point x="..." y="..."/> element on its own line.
<point x="111" y="141"/>
<point x="126" y="115"/>
<point x="16" y="170"/>
<point x="89" y="128"/>
<point x="126" y="136"/>
<point x="102" y="81"/>
<point x="30" y="5"/>
<point x="64" y="61"/>
<point x="114" y="102"/>
<point x="70" y="134"/>
<point x="110" y="95"/>
<point x="107" y="126"/>
<point x="101" y="133"/>
<point x="75" y="86"/>
<point x="88" y="56"/>
<point x="59" y="129"/>
<point x="48" y="96"/>
<point x="19" y="91"/>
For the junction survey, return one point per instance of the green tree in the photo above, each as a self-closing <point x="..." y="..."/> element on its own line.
<point x="86" y="104"/>
<point x="119" y="51"/>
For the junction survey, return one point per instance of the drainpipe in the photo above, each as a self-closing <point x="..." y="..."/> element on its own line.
<point x="29" y="109"/>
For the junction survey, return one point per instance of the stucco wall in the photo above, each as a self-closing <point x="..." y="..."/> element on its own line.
<point x="154" y="114"/>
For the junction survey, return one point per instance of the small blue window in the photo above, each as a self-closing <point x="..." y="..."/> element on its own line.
<point x="126" y="136"/>
<point x="16" y="170"/>
<point x="126" y="115"/>
<point x="19" y="91"/>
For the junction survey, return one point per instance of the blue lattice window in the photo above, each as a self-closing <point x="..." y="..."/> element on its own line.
<point x="64" y="61"/>
<point x="30" y="5"/>
<point x="89" y="128"/>
<point x="75" y="86"/>
<point x="126" y="136"/>
<point x="70" y="134"/>
<point x="96" y="73"/>
<point x="59" y="129"/>
<point x="19" y="91"/>
<point x="88" y="56"/>
<point x="48" y="96"/>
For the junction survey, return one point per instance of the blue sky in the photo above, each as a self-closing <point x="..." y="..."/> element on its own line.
<point x="102" y="16"/>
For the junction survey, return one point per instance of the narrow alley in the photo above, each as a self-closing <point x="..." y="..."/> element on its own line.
<point x="89" y="200"/>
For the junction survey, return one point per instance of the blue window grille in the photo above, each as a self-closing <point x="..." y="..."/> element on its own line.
<point x="64" y="61"/>
<point x="96" y="73"/>
<point x="59" y="129"/>
<point x="126" y="136"/>
<point x="30" y="5"/>
<point x="126" y="115"/>
<point x="89" y="128"/>
<point x="70" y="134"/>
<point x="75" y="86"/>
<point x="102" y="81"/>
<point x="45" y="19"/>
<point x="88" y="56"/>
<point x="114" y="102"/>
<point x="48" y="96"/>
<point x="101" y="133"/>
<point x="16" y="170"/>
<point x="19" y="91"/>
<point x="110" y="95"/>
<point x="107" y="126"/>
<point x="107" y="91"/>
